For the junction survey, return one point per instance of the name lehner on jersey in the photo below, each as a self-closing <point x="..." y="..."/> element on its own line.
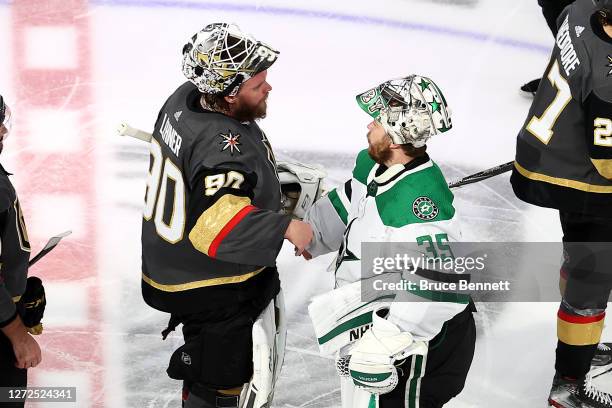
<point x="170" y="136"/>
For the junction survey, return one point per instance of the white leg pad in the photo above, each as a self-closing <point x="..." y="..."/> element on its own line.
<point x="353" y="397"/>
<point x="269" y="334"/>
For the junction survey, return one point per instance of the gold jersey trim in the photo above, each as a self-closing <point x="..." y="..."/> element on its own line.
<point x="201" y="283"/>
<point x="212" y="221"/>
<point x="604" y="167"/>
<point x="16" y="299"/>
<point x="577" y="185"/>
<point x="579" y="334"/>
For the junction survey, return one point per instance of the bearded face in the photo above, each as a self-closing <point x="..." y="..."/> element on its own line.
<point x="246" y="110"/>
<point x="378" y="143"/>
<point x="251" y="101"/>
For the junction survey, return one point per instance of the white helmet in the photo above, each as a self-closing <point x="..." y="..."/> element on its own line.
<point x="411" y="109"/>
<point x="220" y="58"/>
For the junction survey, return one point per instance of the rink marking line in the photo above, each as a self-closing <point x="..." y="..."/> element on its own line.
<point x="329" y="15"/>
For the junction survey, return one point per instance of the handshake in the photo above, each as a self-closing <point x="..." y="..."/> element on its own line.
<point x="301" y="185"/>
<point x="299" y="233"/>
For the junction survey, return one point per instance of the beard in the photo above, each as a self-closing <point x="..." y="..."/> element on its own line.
<point x="380" y="153"/>
<point x="248" y="113"/>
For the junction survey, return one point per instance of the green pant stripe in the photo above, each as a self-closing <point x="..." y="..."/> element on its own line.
<point x="414" y="382"/>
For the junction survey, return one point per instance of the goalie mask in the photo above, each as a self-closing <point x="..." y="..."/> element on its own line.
<point x="220" y="58"/>
<point x="411" y="109"/>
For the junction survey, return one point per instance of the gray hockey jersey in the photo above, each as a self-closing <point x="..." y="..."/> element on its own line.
<point x="14" y="250"/>
<point x="211" y="206"/>
<point x="564" y="150"/>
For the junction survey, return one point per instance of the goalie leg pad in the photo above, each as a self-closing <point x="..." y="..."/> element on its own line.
<point x="353" y="397"/>
<point x="340" y="317"/>
<point x="269" y="336"/>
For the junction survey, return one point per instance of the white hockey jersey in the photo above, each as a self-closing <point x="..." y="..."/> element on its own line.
<point x="402" y="203"/>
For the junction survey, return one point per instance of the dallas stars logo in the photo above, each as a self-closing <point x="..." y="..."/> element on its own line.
<point x="230" y="141"/>
<point x="425" y="209"/>
<point x="610" y="65"/>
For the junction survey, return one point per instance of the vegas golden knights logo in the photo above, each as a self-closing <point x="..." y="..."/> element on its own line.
<point x="22" y="232"/>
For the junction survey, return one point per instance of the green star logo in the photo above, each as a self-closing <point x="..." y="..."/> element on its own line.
<point x="435" y="106"/>
<point x="424" y="84"/>
<point x="424" y="208"/>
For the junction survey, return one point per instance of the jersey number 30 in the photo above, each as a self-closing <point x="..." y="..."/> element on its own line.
<point x="166" y="172"/>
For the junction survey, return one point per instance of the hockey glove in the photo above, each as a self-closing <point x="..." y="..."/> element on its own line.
<point x="301" y="186"/>
<point x="32" y="304"/>
<point x="371" y="362"/>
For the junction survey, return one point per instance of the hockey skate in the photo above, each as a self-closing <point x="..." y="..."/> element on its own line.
<point x="580" y="393"/>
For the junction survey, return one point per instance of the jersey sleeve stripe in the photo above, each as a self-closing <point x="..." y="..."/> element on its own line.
<point x="227" y="228"/>
<point x="217" y="221"/>
<point x="338" y="205"/>
<point x="570" y="318"/>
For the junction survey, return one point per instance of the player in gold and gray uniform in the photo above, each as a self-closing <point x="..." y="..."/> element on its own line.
<point x="18" y="349"/>
<point x="212" y="228"/>
<point x="564" y="161"/>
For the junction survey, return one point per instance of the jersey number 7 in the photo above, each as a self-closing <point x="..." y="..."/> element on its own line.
<point x="542" y="127"/>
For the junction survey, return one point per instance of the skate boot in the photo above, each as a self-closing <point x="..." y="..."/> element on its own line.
<point x="562" y="390"/>
<point x="578" y="394"/>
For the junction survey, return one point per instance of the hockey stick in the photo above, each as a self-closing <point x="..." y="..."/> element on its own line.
<point x="599" y="371"/>
<point x="126" y="130"/>
<point x="52" y="243"/>
<point x="483" y="175"/>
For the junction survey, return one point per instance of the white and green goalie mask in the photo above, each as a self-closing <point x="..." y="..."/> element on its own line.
<point x="220" y="58"/>
<point x="411" y="109"/>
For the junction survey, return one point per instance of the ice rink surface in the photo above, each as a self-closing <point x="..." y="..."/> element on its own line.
<point x="74" y="69"/>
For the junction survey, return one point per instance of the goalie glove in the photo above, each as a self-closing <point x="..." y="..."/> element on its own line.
<point x="371" y="362"/>
<point x="31" y="306"/>
<point x="301" y="186"/>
